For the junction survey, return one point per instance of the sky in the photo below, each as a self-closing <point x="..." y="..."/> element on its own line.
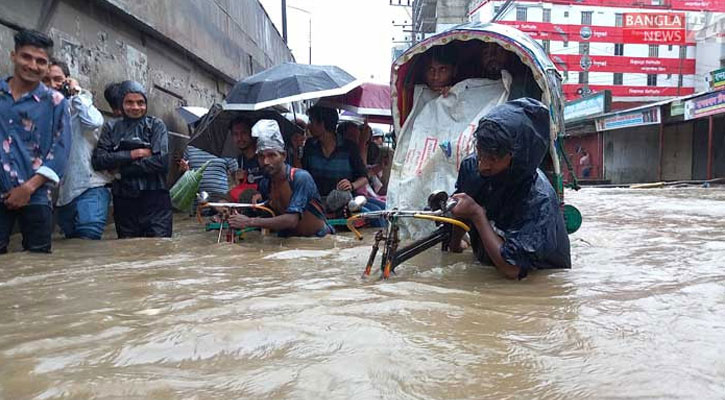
<point x="356" y="35"/>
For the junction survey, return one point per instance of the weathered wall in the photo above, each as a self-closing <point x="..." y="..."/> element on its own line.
<point x="699" y="148"/>
<point x="590" y="143"/>
<point x="186" y="52"/>
<point x="631" y="155"/>
<point x="677" y="152"/>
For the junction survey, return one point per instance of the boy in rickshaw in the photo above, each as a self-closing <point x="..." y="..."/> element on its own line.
<point x="511" y="206"/>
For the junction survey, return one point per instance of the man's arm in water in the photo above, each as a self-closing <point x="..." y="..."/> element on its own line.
<point x="467" y="208"/>
<point x="278" y="223"/>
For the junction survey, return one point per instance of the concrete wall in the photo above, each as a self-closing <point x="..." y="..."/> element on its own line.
<point x="186" y="52"/>
<point x="677" y="152"/>
<point x="631" y="155"/>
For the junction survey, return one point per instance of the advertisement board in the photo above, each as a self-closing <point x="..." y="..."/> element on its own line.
<point x="703" y="106"/>
<point x="717" y="79"/>
<point x="649" y="116"/>
<point x="663" y="28"/>
<point x="570" y="90"/>
<point x="641" y="65"/>
<point x="596" y="104"/>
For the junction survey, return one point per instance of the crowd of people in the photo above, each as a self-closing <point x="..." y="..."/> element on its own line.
<point x="54" y="137"/>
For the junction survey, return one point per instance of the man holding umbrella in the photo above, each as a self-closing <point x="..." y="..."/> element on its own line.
<point x="290" y="192"/>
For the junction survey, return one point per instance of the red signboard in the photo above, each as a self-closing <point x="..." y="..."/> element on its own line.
<point x="571" y="91"/>
<point x="641" y="65"/>
<point x="663" y="28"/>
<point x="600" y="34"/>
<point x="679" y="5"/>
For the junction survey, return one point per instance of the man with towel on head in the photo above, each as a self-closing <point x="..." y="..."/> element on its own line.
<point x="290" y="192"/>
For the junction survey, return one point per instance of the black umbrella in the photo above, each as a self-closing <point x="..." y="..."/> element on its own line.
<point x="286" y="83"/>
<point x="212" y="134"/>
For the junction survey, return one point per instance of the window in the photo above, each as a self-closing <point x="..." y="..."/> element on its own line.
<point x="583" y="47"/>
<point x="669" y="48"/>
<point x="683" y="52"/>
<point x="566" y="14"/>
<point x="618" y="19"/>
<point x="587" y="17"/>
<point x="521" y="13"/>
<point x="547" y="15"/>
<point x="618" y="78"/>
<point x="584" y="77"/>
<point x="546" y="43"/>
<point x="654" y="50"/>
<point x="679" y="81"/>
<point x="651" y="79"/>
<point x="619" y="49"/>
<point x="566" y="42"/>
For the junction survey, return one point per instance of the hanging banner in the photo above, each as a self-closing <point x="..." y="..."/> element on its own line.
<point x="680" y="5"/>
<point x="648" y="116"/>
<point x="571" y="90"/>
<point x="640" y="65"/>
<point x="703" y="106"/>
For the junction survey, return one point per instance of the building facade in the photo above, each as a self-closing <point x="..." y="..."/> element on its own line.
<point x="640" y="50"/>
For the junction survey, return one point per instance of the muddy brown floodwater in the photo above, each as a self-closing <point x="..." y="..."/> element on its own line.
<point x="641" y="315"/>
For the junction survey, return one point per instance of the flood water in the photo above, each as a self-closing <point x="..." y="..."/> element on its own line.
<point x="641" y="315"/>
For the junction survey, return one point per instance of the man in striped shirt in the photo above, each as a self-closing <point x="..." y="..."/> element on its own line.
<point x="215" y="180"/>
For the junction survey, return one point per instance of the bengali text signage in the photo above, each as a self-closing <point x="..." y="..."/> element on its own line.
<point x="703" y="106"/>
<point x="648" y="116"/>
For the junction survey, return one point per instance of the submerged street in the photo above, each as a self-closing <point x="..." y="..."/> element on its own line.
<point x="640" y="315"/>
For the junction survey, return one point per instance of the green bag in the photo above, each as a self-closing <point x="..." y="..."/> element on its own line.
<point x="184" y="190"/>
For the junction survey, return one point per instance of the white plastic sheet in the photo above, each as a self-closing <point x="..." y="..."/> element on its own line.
<point x="436" y="136"/>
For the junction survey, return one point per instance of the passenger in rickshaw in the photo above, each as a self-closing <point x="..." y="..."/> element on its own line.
<point x="249" y="173"/>
<point x="509" y="203"/>
<point x="333" y="162"/>
<point x="497" y="62"/>
<point x="290" y="192"/>
<point x="440" y="69"/>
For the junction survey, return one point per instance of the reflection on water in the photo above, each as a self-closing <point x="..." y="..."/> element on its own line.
<point x="641" y="315"/>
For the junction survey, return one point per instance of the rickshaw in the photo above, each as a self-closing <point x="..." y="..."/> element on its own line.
<point x="426" y="161"/>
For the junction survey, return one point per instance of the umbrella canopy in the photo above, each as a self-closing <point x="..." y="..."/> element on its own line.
<point x="286" y="83"/>
<point x="213" y="135"/>
<point x="191" y="114"/>
<point x="367" y="99"/>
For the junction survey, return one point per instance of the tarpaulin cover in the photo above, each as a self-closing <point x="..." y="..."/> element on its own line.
<point x="433" y="142"/>
<point x="520" y="201"/>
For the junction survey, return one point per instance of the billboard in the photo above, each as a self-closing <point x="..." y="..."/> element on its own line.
<point x="703" y="106"/>
<point x="662" y="28"/>
<point x="648" y="116"/>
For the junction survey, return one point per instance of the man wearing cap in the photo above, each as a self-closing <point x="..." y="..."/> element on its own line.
<point x="290" y="192"/>
<point x="136" y="148"/>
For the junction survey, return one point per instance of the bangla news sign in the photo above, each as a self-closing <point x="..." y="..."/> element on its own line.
<point x="703" y="106"/>
<point x="666" y="28"/>
<point x="649" y="116"/>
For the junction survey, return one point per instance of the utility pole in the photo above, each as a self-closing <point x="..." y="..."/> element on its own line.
<point x="284" y="20"/>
